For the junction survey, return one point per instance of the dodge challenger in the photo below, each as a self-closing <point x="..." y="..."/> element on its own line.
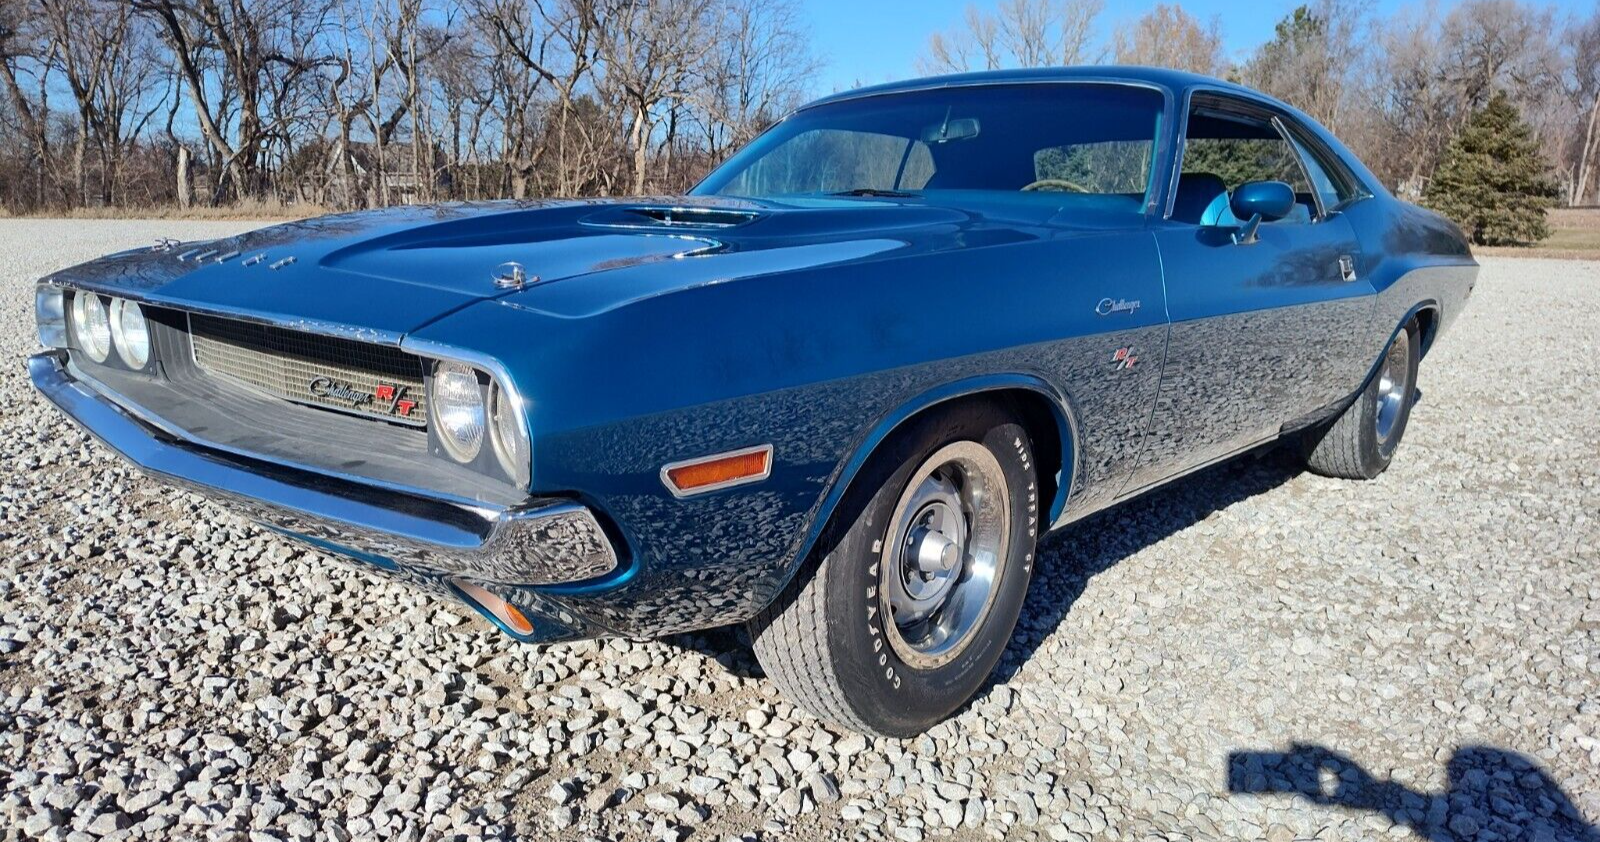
<point x="836" y="393"/>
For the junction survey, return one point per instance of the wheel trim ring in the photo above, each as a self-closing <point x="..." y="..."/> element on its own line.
<point x="1393" y="383"/>
<point x="968" y="602"/>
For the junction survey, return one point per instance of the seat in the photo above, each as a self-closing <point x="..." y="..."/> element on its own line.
<point x="1202" y="200"/>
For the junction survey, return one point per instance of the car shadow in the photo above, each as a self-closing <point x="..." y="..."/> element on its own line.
<point x="1492" y="794"/>
<point x="1068" y="559"/>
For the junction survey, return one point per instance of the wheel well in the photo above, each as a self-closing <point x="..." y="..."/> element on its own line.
<point x="1427" y="324"/>
<point x="1039" y="418"/>
<point x="1048" y="430"/>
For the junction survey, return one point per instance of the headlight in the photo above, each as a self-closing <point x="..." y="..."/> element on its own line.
<point x="510" y="437"/>
<point x="132" y="332"/>
<point x="92" y="325"/>
<point x="458" y="410"/>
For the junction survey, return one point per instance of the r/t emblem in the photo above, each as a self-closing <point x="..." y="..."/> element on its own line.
<point x="1124" y="357"/>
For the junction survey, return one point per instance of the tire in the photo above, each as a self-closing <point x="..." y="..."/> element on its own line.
<point x="831" y="642"/>
<point x="1360" y="443"/>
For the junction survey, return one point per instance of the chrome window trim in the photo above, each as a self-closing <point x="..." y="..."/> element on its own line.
<point x="679" y="493"/>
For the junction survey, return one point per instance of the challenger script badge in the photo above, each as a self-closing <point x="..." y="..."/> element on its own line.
<point x="388" y="396"/>
<point x="1107" y="306"/>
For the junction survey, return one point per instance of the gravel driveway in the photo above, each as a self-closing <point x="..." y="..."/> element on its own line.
<point x="1252" y="653"/>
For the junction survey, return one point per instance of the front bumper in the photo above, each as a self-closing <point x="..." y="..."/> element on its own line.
<point x="542" y="543"/>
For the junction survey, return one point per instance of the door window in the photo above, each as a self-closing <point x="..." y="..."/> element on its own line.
<point x="1223" y="150"/>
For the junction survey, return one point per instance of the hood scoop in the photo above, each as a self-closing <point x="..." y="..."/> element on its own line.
<point x="671" y="217"/>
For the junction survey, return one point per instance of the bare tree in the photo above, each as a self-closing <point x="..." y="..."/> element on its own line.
<point x="1020" y="33"/>
<point x="1311" y="58"/>
<point x="26" y="52"/>
<point x="1583" y="42"/>
<point x="264" y="54"/>
<point x="1167" y="36"/>
<point x="650" y="51"/>
<point x="759" y="73"/>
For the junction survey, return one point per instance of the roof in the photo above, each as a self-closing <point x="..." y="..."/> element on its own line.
<point x="1174" y="80"/>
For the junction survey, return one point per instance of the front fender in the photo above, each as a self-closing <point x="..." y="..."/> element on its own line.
<point x="1066" y="427"/>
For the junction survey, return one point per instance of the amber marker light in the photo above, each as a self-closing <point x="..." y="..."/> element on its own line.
<point x="723" y="470"/>
<point x="503" y="611"/>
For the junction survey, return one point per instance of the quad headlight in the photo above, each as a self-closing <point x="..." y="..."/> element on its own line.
<point x="131" y="332"/>
<point x="458" y="411"/>
<point x="468" y="407"/>
<point x="92" y="324"/>
<point x="510" y="436"/>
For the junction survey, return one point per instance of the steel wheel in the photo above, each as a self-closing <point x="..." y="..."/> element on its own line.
<point x="1394" y="386"/>
<point x="947" y="539"/>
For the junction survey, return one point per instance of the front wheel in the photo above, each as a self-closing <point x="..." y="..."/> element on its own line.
<point x="1360" y="443"/>
<point x="903" y="610"/>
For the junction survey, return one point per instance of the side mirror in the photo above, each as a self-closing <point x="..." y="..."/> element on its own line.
<point x="1255" y="202"/>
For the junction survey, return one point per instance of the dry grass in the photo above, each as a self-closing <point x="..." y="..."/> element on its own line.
<point x="247" y="210"/>
<point x="1574" y="235"/>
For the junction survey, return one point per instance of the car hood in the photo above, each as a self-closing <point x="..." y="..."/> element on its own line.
<point x="388" y="272"/>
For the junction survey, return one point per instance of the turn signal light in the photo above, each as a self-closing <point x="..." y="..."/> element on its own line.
<point x="503" y="611"/>
<point x="724" y="470"/>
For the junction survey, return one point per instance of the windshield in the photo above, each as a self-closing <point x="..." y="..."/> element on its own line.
<point x="1058" y="143"/>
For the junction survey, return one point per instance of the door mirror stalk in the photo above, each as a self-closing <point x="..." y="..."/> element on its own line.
<point x="1246" y="234"/>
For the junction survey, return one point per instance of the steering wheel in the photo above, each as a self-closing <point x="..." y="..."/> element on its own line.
<point x="1059" y="184"/>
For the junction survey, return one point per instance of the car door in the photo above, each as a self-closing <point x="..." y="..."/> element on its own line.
<point x="1263" y="332"/>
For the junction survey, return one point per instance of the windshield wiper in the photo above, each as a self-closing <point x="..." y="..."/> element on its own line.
<point x="873" y="191"/>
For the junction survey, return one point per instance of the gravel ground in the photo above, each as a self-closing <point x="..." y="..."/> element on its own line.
<point x="1252" y="653"/>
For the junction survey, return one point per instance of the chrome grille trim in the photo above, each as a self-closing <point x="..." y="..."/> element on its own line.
<point x="285" y="363"/>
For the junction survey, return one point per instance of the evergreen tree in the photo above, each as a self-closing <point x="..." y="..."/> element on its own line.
<point x="1492" y="180"/>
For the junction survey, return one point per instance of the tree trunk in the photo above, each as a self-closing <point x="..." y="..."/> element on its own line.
<point x="185" y="196"/>
<point x="641" y="149"/>
<point x="80" y="176"/>
<point x="1585" y="166"/>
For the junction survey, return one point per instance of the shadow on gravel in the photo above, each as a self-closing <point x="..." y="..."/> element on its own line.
<point x="1069" y="558"/>
<point x="1493" y="794"/>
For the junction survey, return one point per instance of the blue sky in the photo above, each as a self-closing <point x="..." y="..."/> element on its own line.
<point x="867" y="41"/>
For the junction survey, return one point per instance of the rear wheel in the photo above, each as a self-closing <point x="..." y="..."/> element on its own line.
<point x="901" y="614"/>
<point x="1360" y="443"/>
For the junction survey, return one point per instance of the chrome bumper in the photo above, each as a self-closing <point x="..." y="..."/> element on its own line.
<point x="544" y="543"/>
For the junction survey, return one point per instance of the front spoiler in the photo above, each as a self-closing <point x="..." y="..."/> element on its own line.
<point x="542" y="543"/>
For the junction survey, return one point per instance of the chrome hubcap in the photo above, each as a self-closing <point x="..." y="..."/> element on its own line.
<point x="948" y="539"/>
<point x="1392" y="385"/>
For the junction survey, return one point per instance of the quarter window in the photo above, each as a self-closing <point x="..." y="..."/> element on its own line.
<point x="1329" y="181"/>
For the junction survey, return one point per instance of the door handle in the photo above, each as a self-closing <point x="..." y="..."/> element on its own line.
<point x="1347" y="267"/>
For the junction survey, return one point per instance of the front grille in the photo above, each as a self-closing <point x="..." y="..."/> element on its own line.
<point x="323" y="371"/>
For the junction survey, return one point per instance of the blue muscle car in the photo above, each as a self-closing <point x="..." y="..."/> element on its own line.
<point x="836" y="393"/>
